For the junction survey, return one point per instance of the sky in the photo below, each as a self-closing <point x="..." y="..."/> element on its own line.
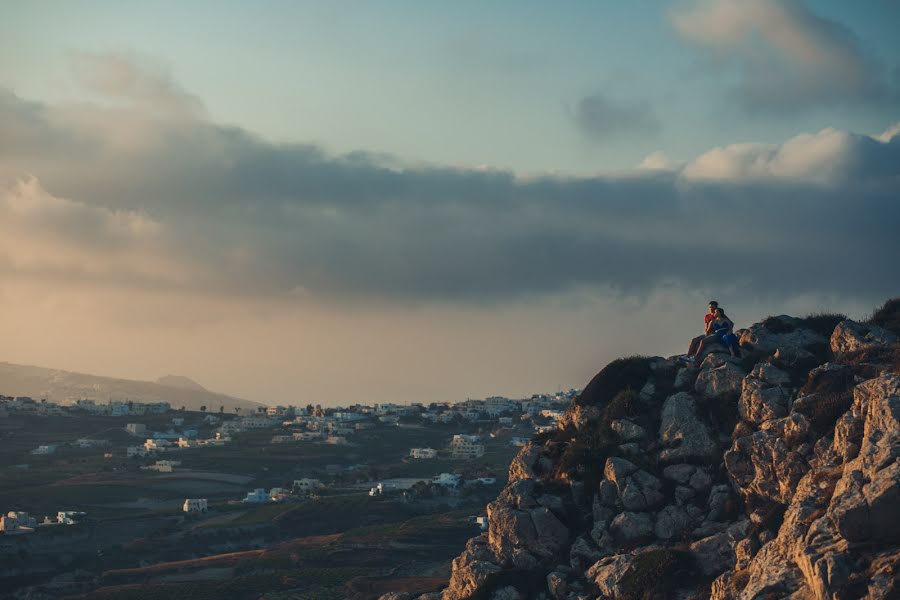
<point x="403" y="201"/>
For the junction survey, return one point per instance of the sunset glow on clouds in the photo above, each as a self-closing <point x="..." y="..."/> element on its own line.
<point x="131" y="214"/>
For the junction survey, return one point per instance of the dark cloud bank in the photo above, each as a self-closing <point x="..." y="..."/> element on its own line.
<point x="271" y="219"/>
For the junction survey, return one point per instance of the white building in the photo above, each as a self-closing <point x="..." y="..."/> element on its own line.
<point x="136" y="429"/>
<point x="69" y="517"/>
<point x="45" y="449"/>
<point x="257" y="496"/>
<point x="482" y="523"/>
<point x="447" y="479"/>
<point x="466" y="446"/>
<point x="195" y="505"/>
<point x="307" y="485"/>
<point x="132" y="451"/>
<point x="423" y="453"/>
<point x="15" y="522"/>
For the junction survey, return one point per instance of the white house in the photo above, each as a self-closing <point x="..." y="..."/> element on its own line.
<point x="466" y="446"/>
<point x="195" y="505"/>
<point x="132" y="451"/>
<point x="45" y="449"/>
<point x="17" y="522"/>
<point x="69" y="517"/>
<point x="136" y="429"/>
<point x="447" y="479"/>
<point x="422" y="453"/>
<point x="482" y="523"/>
<point x="307" y="485"/>
<point x="257" y="496"/>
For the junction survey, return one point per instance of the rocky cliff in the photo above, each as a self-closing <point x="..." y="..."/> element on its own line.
<point x="773" y="475"/>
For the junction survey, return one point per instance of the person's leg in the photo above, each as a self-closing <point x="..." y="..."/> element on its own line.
<point x="695" y="343"/>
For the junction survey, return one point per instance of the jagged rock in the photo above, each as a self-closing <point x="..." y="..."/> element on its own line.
<point x="520" y="494"/>
<point x="632" y="449"/>
<point x="685" y="377"/>
<point x="821" y="488"/>
<point x="718" y="503"/>
<point x="557" y="586"/>
<point x="866" y="499"/>
<point x="680" y="473"/>
<point x="744" y="552"/>
<point x="607" y="493"/>
<point x="523" y="559"/>
<point x="469" y="574"/>
<point x="509" y="528"/>
<point x="761" y="464"/>
<point x="715" y="554"/>
<point x="601" y="513"/>
<point x="396" y="596"/>
<point x="554" y="503"/>
<point x="632" y="527"/>
<point x="763" y="396"/>
<point x="608" y="573"/>
<point x="792" y="429"/>
<point x="684" y="494"/>
<point x="682" y="434"/>
<point x="429" y="596"/>
<point x="718" y="359"/>
<point x="642" y="491"/>
<point x="700" y="481"/>
<point x="794" y="336"/>
<point x="850" y="336"/>
<point x="582" y="554"/>
<point x="617" y="469"/>
<point x="647" y="391"/>
<point x="522" y="466"/>
<point x="628" y="431"/>
<point x="720" y="382"/>
<point x="770" y="374"/>
<point x="551" y="533"/>
<point x="506" y="593"/>
<point x="671" y="521"/>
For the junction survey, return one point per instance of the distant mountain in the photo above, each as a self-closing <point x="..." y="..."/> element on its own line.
<point x="181" y="382"/>
<point x="57" y="385"/>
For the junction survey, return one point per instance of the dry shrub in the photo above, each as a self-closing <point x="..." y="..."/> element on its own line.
<point x="888" y="315"/>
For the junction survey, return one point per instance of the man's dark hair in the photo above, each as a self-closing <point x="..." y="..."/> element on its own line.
<point x="714" y="304"/>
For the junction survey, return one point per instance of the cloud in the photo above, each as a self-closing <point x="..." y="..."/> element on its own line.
<point x="133" y="80"/>
<point x="188" y="204"/>
<point x="829" y="156"/>
<point x="785" y="57"/>
<point x="602" y="118"/>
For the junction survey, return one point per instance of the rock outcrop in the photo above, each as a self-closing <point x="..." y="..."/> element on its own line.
<point x="774" y="475"/>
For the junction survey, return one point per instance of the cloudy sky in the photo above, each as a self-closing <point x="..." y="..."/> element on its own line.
<point x="405" y="201"/>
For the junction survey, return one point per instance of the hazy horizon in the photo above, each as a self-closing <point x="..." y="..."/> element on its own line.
<point x="339" y="203"/>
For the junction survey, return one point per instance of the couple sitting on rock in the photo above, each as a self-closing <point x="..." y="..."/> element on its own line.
<point x="719" y="330"/>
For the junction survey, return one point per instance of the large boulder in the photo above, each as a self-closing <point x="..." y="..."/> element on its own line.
<point x="761" y="464"/>
<point x="682" y="434"/>
<point x="723" y="381"/>
<point x="761" y="399"/>
<point x="471" y="570"/>
<point x="629" y="528"/>
<point x="850" y="336"/>
<point x="782" y="332"/>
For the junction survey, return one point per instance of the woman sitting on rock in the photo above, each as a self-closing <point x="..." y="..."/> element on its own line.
<point x="723" y="333"/>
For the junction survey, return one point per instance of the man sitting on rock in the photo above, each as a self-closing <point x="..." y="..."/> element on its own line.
<point x="708" y="318"/>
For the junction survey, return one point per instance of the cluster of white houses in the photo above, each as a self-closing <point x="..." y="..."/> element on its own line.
<point x="17" y="522"/>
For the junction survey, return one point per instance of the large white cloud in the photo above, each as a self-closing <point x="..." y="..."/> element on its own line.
<point x="785" y="57"/>
<point x="829" y="156"/>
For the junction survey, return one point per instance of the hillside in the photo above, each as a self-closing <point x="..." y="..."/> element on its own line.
<point x="57" y="385"/>
<point x="774" y="475"/>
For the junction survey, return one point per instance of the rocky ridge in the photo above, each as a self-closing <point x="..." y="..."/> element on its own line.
<point x="776" y="475"/>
